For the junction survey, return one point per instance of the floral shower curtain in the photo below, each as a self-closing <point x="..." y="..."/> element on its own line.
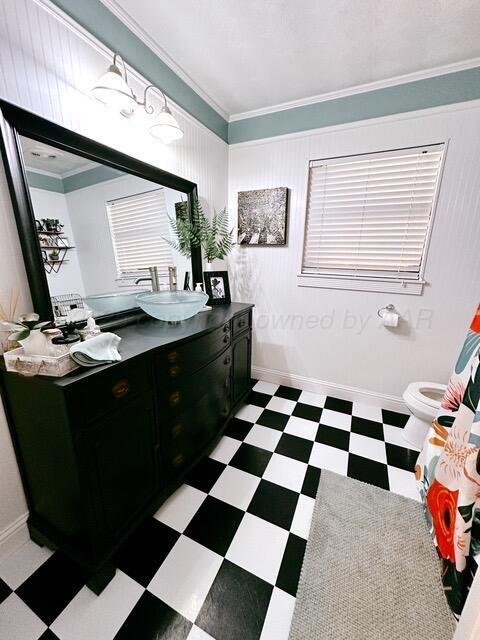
<point x="448" y="474"/>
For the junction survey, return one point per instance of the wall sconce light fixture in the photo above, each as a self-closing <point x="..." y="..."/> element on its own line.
<point x="112" y="89"/>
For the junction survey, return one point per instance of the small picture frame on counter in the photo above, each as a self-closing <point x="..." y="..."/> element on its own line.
<point x="217" y="287"/>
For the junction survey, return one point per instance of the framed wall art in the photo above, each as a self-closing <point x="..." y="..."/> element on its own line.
<point x="262" y="217"/>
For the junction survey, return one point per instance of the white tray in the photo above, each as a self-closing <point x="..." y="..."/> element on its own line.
<point x="54" y="366"/>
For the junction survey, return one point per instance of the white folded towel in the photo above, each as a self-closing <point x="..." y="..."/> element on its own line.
<point x="101" y="349"/>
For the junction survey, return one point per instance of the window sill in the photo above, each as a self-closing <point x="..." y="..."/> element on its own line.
<point x="409" y="287"/>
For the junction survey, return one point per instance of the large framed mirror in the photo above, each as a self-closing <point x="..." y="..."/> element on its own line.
<point x="91" y="220"/>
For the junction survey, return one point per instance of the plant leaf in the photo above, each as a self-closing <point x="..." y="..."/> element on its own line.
<point x="19" y="335"/>
<point x="10" y="326"/>
<point x="42" y="324"/>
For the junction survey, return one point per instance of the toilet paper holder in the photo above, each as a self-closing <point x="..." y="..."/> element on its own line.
<point x="393" y="314"/>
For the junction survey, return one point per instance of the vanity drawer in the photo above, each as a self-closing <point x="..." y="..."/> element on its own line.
<point x="185" y="359"/>
<point x="112" y="389"/>
<point x="241" y="323"/>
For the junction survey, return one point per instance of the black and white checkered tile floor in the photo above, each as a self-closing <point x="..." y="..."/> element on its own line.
<point x="221" y="559"/>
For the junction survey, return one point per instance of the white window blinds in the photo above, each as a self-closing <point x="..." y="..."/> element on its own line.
<point x="138" y="225"/>
<point x="369" y="215"/>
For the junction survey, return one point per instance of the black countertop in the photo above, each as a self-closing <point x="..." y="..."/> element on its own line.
<point x="148" y="335"/>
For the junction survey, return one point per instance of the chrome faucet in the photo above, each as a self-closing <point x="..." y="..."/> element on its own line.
<point x="153" y="279"/>
<point x="172" y="278"/>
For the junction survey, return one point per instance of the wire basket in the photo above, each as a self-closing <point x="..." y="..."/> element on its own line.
<point x="62" y="305"/>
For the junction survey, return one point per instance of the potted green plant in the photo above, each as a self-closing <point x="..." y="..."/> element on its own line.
<point x="27" y="330"/>
<point x="212" y="235"/>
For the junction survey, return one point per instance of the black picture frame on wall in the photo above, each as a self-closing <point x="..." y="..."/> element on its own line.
<point x="217" y="287"/>
<point x="16" y="122"/>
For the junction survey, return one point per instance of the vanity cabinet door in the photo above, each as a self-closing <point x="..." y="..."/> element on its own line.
<point x="241" y="353"/>
<point x="121" y="454"/>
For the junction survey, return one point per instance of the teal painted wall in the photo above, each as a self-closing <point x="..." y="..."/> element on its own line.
<point x="48" y="183"/>
<point x="72" y="183"/>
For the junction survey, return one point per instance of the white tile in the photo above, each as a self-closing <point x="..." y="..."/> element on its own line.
<point x="367" y="411"/>
<point x="99" y="617"/>
<point x="266" y="387"/>
<point x="18" y="622"/>
<point x="198" y="634"/>
<point x="286" y="472"/>
<point x="258" y="547"/>
<point x="279" y="616"/>
<point x="369" y="448"/>
<point x="185" y="577"/>
<point x="303" y="517"/>
<point x="180" y="507"/>
<point x="225" y="449"/>
<point x="403" y="483"/>
<point x="282" y="405"/>
<point x="235" y="487"/>
<point x="302" y="428"/>
<point x="315" y="399"/>
<point x="20" y="565"/>
<point x="336" y="419"/>
<point x="263" y="437"/>
<point x="394" y="435"/>
<point x="249" y="412"/>
<point x="330" y="458"/>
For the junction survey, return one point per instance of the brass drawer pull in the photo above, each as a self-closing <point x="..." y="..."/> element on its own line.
<point x="178" y="460"/>
<point x="226" y="338"/>
<point x="242" y="323"/>
<point x="225" y="328"/>
<point x="227" y="360"/>
<point x="174" y="398"/>
<point x="120" y="389"/>
<point x="177" y="430"/>
<point x="172" y="356"/>
<point x="175" y="371"/>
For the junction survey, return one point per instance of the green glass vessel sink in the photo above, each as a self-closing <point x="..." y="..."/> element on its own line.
<point x="171" y="306"/>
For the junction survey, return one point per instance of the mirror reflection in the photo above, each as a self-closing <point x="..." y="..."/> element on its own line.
<point x="101" y="231"/>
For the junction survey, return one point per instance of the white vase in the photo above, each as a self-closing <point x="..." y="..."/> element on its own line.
<point x="209" y="266"/>
<point x="37" y="344"/>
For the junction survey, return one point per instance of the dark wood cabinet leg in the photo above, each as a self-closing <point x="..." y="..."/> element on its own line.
<point x="39" y="538"/>
<point x="101" y="578"/>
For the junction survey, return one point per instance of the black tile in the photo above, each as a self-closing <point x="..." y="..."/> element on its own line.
<point x="401" y="457"/>
<point x="205" y="474"/>
<point x="307" y="411"/>
<point x="238" y="429"/>
<point x="291" y="566"/>
<point x="368" y="428"/>
<point x="273" y="419"/>
<point x="338" y="438"/>
<point x="394" y="418"/>
<point x="311" y="481"/>
<point x="145" y="550"/>
<point x="251" y="459"/>
<point x="52" y="586"/>
<point x="274" y="504"/>
<point x="236" y="605"/>
<point x="294" y="447"/>
<point x="48" y="635"/>
<point x="289" y="393"/>
<point x="215" y="524"/>
<point x="152" y="619"/>
<point x="335" y="404"/>
<point x="259" y="399"/>
<point x="5" y="590"/>
<point x="368" y="471"/>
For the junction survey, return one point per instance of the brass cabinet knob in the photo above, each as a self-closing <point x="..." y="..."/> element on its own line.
<point x="174" y="398"/>
<point x="226" y="338"/>
<point x="177" y="430"/>
<point x="226" y="327"/>
<point x="242" y="323"/>
<point x="172" y="356"/>
<point x="120" y="389"/>
<point x="174" y="371"/>
<point x="178" y="460"/>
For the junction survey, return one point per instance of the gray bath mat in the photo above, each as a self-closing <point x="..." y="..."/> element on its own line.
<point x="370" y="569"/>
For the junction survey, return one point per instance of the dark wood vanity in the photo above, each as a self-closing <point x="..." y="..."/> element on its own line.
<point x="102" y="448"/>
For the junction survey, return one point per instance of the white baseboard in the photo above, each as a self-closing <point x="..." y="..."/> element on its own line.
<point x="13" y="536"/>
<point x="344" y="392"/>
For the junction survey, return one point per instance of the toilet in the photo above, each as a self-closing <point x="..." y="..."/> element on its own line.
<point x="423" y="400"/>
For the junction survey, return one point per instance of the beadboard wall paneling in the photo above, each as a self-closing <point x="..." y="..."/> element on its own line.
<point x="48" y="67"/>
<point x="335" y="335"/>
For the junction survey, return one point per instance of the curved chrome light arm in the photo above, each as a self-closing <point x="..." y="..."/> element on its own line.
<point x="115" y="56"/>
<point x="148" y="107"/>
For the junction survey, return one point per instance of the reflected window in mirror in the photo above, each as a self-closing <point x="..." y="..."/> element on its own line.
<point x="99" y="230"/>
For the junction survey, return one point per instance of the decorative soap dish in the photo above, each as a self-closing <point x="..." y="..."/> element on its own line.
<point x="53" y="366"/>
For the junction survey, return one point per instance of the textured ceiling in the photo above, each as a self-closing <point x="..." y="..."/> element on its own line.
<point x="44" y="157"/>
<point x="250" y="54"/>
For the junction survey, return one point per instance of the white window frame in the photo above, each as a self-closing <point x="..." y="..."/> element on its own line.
<point x="364" y="282"/>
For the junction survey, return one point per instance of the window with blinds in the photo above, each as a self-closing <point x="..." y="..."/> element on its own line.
<point x="369" y="216"/>
<point x="138" y="226"/>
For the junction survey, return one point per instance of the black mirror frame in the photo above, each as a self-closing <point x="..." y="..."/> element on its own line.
<point x="14" y="122"/>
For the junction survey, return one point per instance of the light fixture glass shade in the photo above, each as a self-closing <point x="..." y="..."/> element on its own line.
<point x="166" y="128"/>
<point x="113" y="90"/>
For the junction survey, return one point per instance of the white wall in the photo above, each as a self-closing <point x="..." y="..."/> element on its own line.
<point x="68" y="279"/>
<point x="372" y="357"/>
<point x="48" y="68"/>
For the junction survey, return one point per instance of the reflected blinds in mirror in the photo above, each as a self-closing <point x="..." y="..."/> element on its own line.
<point x="139" y="225"/>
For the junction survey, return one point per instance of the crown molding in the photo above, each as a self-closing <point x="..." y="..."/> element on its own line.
<point x="361" y="88"/>
<point x="135" y="28"/>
